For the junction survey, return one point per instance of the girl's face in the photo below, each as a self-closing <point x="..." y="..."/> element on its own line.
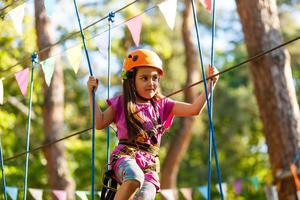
<point x="147" y="82"/>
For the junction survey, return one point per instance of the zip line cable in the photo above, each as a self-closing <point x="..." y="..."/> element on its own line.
<point x="169" y="95"/>
<point x="71" y="35"/>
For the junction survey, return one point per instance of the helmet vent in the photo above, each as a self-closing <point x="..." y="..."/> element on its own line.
<point x="135" y="57"/>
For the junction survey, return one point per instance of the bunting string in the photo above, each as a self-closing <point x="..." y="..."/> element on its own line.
<point x="71" y="35"/>
<point x="67" y="49"/>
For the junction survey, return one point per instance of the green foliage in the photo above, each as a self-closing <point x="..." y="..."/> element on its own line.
<point x="238" y="129"/>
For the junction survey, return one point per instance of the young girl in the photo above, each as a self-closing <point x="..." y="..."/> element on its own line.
<point x="141" y="115"/>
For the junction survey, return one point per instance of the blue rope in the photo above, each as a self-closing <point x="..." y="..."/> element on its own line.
<point x="209" y="103"/>
<point x="93" y="104"/>
<point x="211" y="100"/>
<point x="3" y="173"/>
<point x="33" y="61"/>
<point x="110" y="21"/>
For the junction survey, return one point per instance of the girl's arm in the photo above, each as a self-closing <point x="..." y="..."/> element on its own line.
<point x="102" y="119"/>
<point x="187" y="109"/>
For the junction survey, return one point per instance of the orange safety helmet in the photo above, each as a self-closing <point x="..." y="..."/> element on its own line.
<point x="142" y="58"/>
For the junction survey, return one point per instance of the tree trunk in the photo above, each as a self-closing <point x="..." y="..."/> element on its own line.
<point x="180" y="143"/>
<point x="53" y="109"/>
<point x="274" y="89"/>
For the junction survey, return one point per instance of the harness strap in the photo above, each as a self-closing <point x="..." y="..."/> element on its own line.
<point x="141" y="146"/>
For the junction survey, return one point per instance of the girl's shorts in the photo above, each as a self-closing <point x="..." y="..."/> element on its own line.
<point x="126" y="169"/>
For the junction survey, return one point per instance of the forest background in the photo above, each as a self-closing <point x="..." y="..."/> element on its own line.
<point x="241" y="143"/>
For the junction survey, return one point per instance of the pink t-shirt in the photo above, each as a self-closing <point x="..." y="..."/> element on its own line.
<point x="164" y="107"/>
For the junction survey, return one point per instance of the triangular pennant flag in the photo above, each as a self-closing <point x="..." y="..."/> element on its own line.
<point x="12" y="192"/>
<point x="203" y="191"/>
<point x="49" y="6"/>
<point x="206" y="4"/>
<point x="168" y="9"/>
<point x="102" y="45"/>
<point x="224" y="188"/>
<point x="187" y="193"/>
<point x="48" y="68"/>
<point x="1" y="91"/>
<point x="295" y="175"/>
<point x="22" y="79"/>
<point x="169" y="194"/>
<point x="60" y="194"/>
<point x="99" y="193"/>
<point x="271" y="193"/>
<point x="81" y="194"/>
<point x="255" y="183"/>
<point x="36" y="193"/>
<point x="237" y="187"/>
<point x="135" y="27"/>
<point x="74" y="56"/>
<point x="17" y="15"/>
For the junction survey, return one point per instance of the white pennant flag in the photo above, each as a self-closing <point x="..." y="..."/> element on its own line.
<point x="102" y="45"/>
<point x="36" y="193"/>
<point x="168" y="9"/>
<point x="74" y="56"/>
<point x="17" y="15"/>
<point x="1" y="91"/>
<point x="224" y="188"/>
<point x="82" y="195"/>
<point x="169" y="194"/>
<point x="48" y="69"/>
<point x="12" y="192"/>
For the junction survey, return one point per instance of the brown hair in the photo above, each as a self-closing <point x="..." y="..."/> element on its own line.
<point x="134" y="121"/>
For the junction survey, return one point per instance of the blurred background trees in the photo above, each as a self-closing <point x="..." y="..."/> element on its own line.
<point x="239" y="130"/>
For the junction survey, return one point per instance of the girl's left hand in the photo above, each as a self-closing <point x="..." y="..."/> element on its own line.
<point x="212" y="71"/>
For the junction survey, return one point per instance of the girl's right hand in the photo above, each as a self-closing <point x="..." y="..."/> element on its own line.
<point x="92" y="84"/>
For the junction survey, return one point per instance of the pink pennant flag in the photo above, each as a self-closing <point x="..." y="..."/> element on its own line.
<point x="187" y="193"/>
<point x="36" y="193"/>
<point x="135" y="27"/>
<point x="206" y="4"/>
<point x="22" y="79"/>
<point x="238" y="187"/>
<point x="168" y="9"/>
<point x="60" y="194"/>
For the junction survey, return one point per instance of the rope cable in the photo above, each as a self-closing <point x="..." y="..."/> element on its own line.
<point x="93" y="103"/>
<point x="211" y="127"/>
<point x="110" y="21"/>
<point x="3" y="172"/>
<point x="211" y="133"/>
<point x="33" y="61"/>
